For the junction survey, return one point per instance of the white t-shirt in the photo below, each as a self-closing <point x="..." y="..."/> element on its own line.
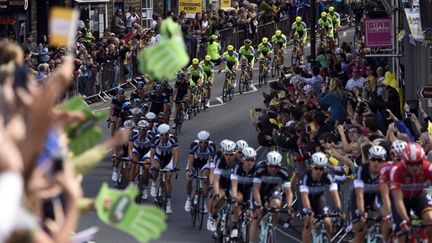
<point x="355" y="83"/>
<point x="130" y="21"/>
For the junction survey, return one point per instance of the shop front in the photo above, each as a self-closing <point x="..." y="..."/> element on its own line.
<point x="14" y="19"/>
<point x="96" y="11"/>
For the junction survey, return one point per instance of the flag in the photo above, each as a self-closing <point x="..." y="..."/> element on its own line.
<point x="63" y="24"/>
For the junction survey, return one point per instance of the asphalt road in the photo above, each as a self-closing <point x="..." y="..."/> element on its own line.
<point x="230" y="120"/>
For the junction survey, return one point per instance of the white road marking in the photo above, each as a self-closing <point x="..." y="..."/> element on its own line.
<point x="287" y="235"/>
<point x="220" y="100"/>
<point x="253" y="87"/>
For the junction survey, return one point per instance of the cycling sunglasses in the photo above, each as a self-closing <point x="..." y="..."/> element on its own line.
<point x="377" y="160"/>
<point x="319" y="168"/>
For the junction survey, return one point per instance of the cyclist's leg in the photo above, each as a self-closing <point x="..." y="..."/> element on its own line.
<point x="155" y="168"/>
<point x="205" y="171"/>
<point x="256" y="219"/>
<point x="386" y="224"/>
<point x="168" y="184"/>
<point x="423" y="207"/>
<point x="189" y="172"/>
<point x="237" y="208"/>
<point x="277" y="203"/>
<point x="133" y="171"/>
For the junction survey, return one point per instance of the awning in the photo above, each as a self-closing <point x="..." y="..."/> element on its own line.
<point x="91" y="1"/>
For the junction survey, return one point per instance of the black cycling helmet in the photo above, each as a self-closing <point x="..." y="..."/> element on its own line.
<point x="127" y="105"/>
<point x="160" y="115"/>
<point x="181" y="75"/>
<point x="140" y="85"/>
<point x="158" y="87"/>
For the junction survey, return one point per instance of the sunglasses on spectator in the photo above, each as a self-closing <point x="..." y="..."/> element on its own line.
<point x="416" y="164"/>
<point x="376" y="159"/>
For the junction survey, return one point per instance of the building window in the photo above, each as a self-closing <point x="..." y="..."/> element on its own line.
<point x="147" y="12"/>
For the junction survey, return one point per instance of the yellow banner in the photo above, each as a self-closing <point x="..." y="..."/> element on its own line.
<point x="225" y="4"/>
<point x="63" y="24"/>
<point x="191" y="7"/>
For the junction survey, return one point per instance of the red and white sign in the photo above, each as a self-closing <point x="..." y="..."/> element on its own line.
<point x="378" y="32"/>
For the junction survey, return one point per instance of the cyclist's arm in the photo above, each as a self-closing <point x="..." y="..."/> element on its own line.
<point x="385" y="197"/>
<point x="216" y="178"/>
<point x="288" y="193"/>
<point x="399" y="204"/>
<point x="335" y="195"/>
<point x="175" y="154"/>
<point x="256" y="193"/>
<point x="130" y="146"/>
<point x="234" y="185"/>
<point x="359" y="192"/>
<point x="190" y="160"/>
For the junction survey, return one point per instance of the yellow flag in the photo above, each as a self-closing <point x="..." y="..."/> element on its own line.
<point x="429" y="127"/>
<point x="63" y="25"/>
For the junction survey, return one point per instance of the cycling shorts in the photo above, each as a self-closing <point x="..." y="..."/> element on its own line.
<point x="419" y="205"/>
<point x="369" y="205"/>
<point x="165" y="162"/>
<point x="142" y="154"/>
<point x="230" y="65"/>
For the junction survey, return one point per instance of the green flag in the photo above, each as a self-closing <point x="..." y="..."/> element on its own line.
<point x="118" y="209"/>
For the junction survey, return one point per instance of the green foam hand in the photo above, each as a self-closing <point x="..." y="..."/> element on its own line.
<point x="118" y="209"/>
<point x="163" y="60"/>
<point x="85" y="134"/>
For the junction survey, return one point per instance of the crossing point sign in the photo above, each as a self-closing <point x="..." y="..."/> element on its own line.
<point x="424" y="92"/>
<point x="191" y="7"/>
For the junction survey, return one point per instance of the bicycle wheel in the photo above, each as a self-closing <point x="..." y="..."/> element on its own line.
<point x="225" y="91"/>
<point x="231" y="90"/>
<point x="242" y="79"/>
<point x="273" y="68"/>
<point x="194" y="208"/>
<point x="204" y="98"/>
<point x="200" y="207"/>
<point x="179" y="119"/>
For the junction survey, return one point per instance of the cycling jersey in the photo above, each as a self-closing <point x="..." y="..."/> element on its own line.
<point x="316" y="189"/>
<point x="271" y="183"/>
<point x="299" y="27"/>
<point x="182" y="89"/>
<point x="167" y="90"/>
<point x="134" y="95"/>
<point x="201" y="157"/>
<point x="280" y="40"/>
<point x="335" y="18"/>
<point x="141" y="146"/>
<point x="230" y="58"/>
<point x="244" y="179"/>
<point x="224" y="171"/>
<point x="197" y="72"/>
<point x="369" y="183"/>
<point x="207" y="68"/>
<point x="384" y="173"/>
<point x="158" y="102"/>
<point x="327" y="24"/>
<point x="213" y="49"/>
<point x="163" y="151"/>
<point x="117" y="107"/>
<point x="411" y="186"/>
<point x="264" y="49"/>
<point x="247" y="52"/>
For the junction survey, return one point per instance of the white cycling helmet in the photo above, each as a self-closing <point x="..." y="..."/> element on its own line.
<point x="163" y="128"/>
<point x="228" y="146"/>
<point x="378" y="152"/>
<point x="241" y="144"/>
<point x="128" y="124"/>
<point x="203" y="135"/>
<point x="274" y="158"/>
<point x="249" y="153"/>
<point x="319" y="159"/>
<point x="398" y="147"/>
<point x="136" y="111"/>
<point x="150" y="116"/>
<point x="143" y="124"/>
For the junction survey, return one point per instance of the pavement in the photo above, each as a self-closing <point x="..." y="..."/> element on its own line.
<point x="223" y="120"/>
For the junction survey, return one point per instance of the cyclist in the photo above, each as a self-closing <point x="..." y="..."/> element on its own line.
<point x="247" y="52"/>
<point x="159" y="101"/>
<point x="312" y="187"/>
<point x="182" y="92"/>
<point x="214" y="49"/>
<point x="136" y="117"/>
<point x="139" y="93"/>
<point x="384" y="179"/>
<point x="299" y="32"/>
<point x="335" y="18"/>
<point x="325" y="26"/>
<point x="265" y="49"/>
<point x="221" y="181"/>
<point x="141" y="145"/>
<point x="115" y="110"/>
<point x="230" y="60"/>
<point x="279" y="39"/>
<point x="208" y="67"/>
<point x="366" y="197"/>
<point x="409" y="180"/>
<point x="164" y="155"/>
<point x="196" y="73"/>
<point x="241" y="184"/>
<point x="269" y="182"/>
<point x="150" y="117"/>
<point x="240" y="145"/>
<point x="169" y="92"/>
<point x="201" y="153"/>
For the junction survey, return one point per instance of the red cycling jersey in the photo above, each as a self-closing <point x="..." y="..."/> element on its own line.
<point x="384" y="173"/>
<point x="411" y="186"/>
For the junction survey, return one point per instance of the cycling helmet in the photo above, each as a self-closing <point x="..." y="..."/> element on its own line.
<point x="161" y="115"/>
<point x="143" y="124"/>
<point x="140" y="85"/>
<point x="136" y="111"/>
<point x="274" y="158"/>
<point x="247" y="42"/>
<point x="150" y="116"/>
<point x="378" y="152"/>
<point x="158" y="87"/>
<point x="249" y="153"/>
<point x="127" y="105"/>
<point x="230" y="48"/>
<point x="241" y="144"/>
<point x="298" y="19"/>
<point x="207" y="58"/>
<point x="213" y="37"/>
<point x="228" y="146"/>
<point x="181" y="75"/>
<point x="413" y="153"/>
<point x="195" y="61"/>
<point x="203" y="135"/>
<point x="323" y="14"/>
<point x="319" y="159"/>
<point x="128" y="124"/>
<point x="398" y="147"/>
<point x="278" y="32"/>
<point x="163" y="128"/>
<point x="144" y="108"/>
<point x="265" y="40"/>
<point x="331" y="9"/>
<point x="120" y="91"/>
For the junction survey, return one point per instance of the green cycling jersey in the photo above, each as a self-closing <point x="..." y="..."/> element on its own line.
<point x="335" y="18"/>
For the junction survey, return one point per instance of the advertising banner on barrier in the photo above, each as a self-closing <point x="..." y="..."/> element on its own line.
<point x="191" y="7"/>
<point x="378" y="32"/>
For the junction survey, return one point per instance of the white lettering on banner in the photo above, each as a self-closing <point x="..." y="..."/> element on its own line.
<point x="378" y="27"/>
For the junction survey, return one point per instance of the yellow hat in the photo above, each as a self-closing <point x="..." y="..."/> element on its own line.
<point x="195" y="61"/>
<point x="207" y="58"/>
<point x="298" y="19"/>
<point x="265" y="40"/>
<point x="323" y="14"/>
<point x="278" y="32"/>
<point x="331" y="9"/>
<point x="230" y="48"/>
